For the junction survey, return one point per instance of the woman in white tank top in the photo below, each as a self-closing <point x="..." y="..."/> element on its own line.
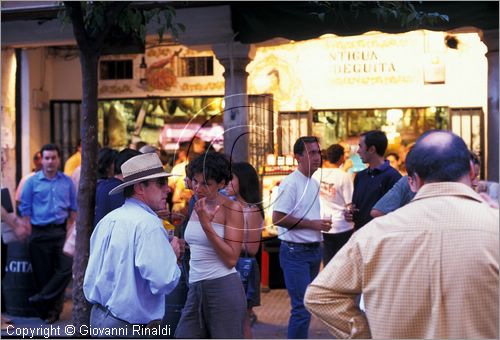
<point x="216" y="302"/>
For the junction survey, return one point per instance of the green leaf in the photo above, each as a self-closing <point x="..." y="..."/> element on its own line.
<point x="142" y="33"/>
<point x="411" y="17"/>
<point x="161" y="31"/>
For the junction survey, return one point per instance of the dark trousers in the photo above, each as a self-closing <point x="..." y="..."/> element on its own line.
<point x="4" y="263"/>
<point x="51" y="268"/>
<point x="332" y="244"/>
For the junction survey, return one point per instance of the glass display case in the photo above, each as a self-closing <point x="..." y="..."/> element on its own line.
<point x="163" y="121"/>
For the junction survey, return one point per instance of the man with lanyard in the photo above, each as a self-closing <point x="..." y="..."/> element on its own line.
<point x="48" y="206"/>
<point x="132" y="264"/>
<point x="373" y="182"/>
<point x="297" y="215"/>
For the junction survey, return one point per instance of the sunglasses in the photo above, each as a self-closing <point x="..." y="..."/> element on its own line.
<point x="162" y="181"/>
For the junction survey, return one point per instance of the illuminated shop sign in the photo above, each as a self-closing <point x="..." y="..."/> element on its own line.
<point x="371" y="70"/>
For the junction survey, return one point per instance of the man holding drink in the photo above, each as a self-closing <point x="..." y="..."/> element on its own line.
<point x="373" y="182"/>
<point x="297" y="215"/>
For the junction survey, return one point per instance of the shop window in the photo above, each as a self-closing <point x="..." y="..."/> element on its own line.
<point x="329" y="126"/>
<point x="291" y="126"/>
<point x="116" y="69"/>
<point x="65" y="126"/>
<point x="196" y="66"/>
<point x="260" y="134"/>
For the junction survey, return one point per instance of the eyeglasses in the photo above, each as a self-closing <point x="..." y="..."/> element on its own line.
<point x="162" y="181"/>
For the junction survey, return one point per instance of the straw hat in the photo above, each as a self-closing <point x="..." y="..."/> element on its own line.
<point x="140" y="168"/>
<point x="148" y="149"/>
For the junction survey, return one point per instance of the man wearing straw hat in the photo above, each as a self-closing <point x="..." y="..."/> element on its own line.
<point x="132" y="263"/>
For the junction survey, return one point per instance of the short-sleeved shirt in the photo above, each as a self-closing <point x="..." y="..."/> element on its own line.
<point x="400" y="194"/>
<point x="48" y="201"/>
<point x="369" y="186"/>
<point x="298" y="195"/>
<point x="335" y="192"/>
<point x="72" y="163"/>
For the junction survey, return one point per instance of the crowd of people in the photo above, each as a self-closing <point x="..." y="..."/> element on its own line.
<point x="371" y="253"/>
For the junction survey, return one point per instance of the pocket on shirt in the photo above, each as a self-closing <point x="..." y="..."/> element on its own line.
<point x="62" y="198"/>
<point x="41" y="195"/>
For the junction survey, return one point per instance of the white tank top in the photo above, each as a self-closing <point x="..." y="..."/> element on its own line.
<point x="205" y="263"/>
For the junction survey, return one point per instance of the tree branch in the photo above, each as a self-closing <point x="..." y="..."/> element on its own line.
<point x="112" y="13"/>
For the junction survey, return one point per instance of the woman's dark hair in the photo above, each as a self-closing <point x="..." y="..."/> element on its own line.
<point x="249" y="183"/>
<point x="105" y="159"/>
<point x="212" y="165"/>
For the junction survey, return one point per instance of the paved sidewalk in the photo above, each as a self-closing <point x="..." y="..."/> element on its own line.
<point x="273" y="314"/>
<point x="272" y="320"/>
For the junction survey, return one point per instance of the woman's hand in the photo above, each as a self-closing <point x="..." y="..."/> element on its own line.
<point x="206" y="209"/>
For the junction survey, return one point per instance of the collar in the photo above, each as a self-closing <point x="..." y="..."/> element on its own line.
<point x="301" y="174"/>
<point x="447" y="189"/>
<point x="381" y="168"/>
<point x="41" y="175"/>
<point x="133" y="200"/>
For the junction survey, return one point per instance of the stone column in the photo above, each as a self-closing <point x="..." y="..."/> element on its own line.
<point x="490" y="38"/>
<point x="234" y="56"/>
<point x="8" y="120"/>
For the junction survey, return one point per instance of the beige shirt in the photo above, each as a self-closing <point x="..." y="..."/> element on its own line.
<point x="427" y="270"/>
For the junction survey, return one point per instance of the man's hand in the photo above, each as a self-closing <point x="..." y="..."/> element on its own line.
<point x="176" y="246"/>
<point x="349" y="212"/>
<point x="164" y="214"/>
<point x="321" y="225"/>
<point x="22" y="230"/>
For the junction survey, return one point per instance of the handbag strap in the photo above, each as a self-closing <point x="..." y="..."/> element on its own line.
<point x="245" y="231"/>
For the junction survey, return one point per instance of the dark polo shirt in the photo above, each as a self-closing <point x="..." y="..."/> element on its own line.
<point x="105" y="203"/>
<point x="369" y="186"/>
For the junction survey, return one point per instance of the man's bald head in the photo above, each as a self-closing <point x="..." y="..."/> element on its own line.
<point x="439" y="156"/>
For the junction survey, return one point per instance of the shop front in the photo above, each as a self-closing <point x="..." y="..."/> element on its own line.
<point x="338" y="87"/>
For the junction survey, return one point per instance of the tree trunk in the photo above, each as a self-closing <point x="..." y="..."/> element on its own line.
<point x="86" y="193"/>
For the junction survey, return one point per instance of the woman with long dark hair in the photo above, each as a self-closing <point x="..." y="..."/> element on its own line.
<point x="245" y="187"/>
<point x="216" y="305"/>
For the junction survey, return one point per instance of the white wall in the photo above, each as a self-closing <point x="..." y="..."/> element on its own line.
<point x="35" y="121"/>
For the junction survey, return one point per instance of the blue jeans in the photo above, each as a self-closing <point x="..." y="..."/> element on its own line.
<point x="300" y="264"/>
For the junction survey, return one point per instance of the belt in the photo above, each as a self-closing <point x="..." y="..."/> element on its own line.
<point x="108" y="312"/>
<point x="307" y="245"/>
<point x="246" y="254"/>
